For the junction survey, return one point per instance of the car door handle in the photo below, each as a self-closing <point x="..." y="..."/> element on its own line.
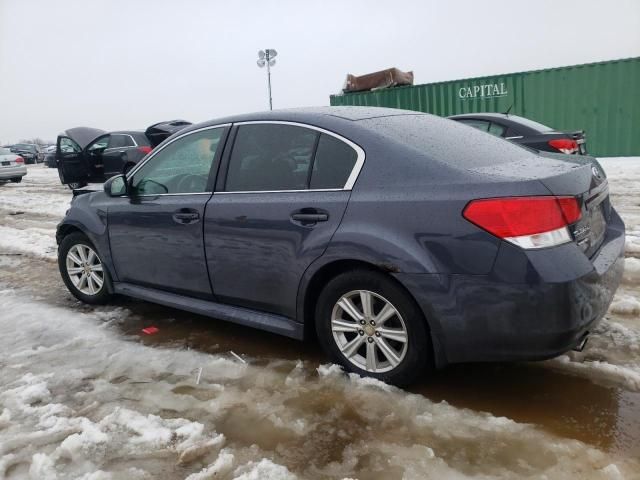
<point x="185" y="217"/>
<point x="309" y="216"/>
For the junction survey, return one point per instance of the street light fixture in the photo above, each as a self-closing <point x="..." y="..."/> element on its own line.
<point x="267" y="57"/>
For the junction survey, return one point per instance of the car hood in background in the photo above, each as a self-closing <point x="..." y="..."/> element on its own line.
<point x="83" y="135"/>
<point x="158" y="132"/>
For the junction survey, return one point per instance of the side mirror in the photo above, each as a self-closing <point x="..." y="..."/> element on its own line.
<point x="116" y="186"/>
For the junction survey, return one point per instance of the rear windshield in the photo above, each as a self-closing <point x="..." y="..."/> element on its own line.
<point x="141" y="139"/>
<point x="23" y="146"/>
<point x="5" y="151"/>
<point x="530" y="123"/>
<point x="446" y="141"/>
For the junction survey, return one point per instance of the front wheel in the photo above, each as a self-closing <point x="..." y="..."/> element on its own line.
<point x="82" y="270"/>
<point x="16" y="179"/>
<point x="370" y="325"/>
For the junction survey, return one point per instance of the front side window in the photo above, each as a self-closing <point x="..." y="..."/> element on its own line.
<point x="183" y="166"/>
<point x="268" y="157"/>
<point x="99" y="144"/>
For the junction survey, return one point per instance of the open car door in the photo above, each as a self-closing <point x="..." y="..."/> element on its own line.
<point x="158" y="132"/>
<point x="73" y="166"/>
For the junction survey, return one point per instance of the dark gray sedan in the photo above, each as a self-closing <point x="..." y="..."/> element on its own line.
<point x="402" y="240"/>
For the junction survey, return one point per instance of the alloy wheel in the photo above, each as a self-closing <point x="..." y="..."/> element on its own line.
<point x="369" y="331"/>
<point x="85" y="269"/>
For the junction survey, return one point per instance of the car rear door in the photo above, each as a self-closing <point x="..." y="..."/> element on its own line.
<point x="116" y="154"/>
<point x="155" y="231"/>
<point x="280" y="196"/>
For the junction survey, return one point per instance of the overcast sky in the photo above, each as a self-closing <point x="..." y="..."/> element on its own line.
<point x="125" y="64"/>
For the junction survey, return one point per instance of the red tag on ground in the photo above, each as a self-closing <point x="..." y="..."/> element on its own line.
<point x="150" y="330"/>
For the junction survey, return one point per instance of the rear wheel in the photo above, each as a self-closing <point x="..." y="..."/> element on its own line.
<point x="371" y="326"/>
<point x="82" y="270"/>
<point x="16" y="179"/>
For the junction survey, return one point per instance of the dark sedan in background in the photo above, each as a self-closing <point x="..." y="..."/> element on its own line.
<point x="85" y="155"/>
<point x="29" y="151"/>
<point x="526" y="132"/>
<point x="399" y="245"/>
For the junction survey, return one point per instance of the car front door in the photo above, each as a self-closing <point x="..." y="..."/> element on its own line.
<point x="280" y="197"/>
<point x="155" y="231"/>
<point x="72" y="166"/>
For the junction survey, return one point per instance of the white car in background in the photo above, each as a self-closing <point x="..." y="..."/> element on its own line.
<point x="12" y="166"/>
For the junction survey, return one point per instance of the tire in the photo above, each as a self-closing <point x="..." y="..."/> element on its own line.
<point x="363" y="348"/>
<point x="16" y="179"/>
<point x="76" y="243"/>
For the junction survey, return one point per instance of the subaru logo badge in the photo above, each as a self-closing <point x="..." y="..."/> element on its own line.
<point x="596" y="172"/>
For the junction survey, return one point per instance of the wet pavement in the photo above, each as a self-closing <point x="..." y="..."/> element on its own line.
<point x="284" y="412"/>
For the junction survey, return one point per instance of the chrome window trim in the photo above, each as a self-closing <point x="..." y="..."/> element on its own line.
<point x="155" y="152"/>
<point x="169" y="194"/>
<point x="235" y="192"/>
<point x="512" y="138"/>
<point x="353" y="176"/>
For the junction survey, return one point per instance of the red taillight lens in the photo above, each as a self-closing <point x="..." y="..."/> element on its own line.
<point x="519" y="216"/>
<point x="145" y="149"/>
<point x="19" y="160"/>
<point x="565" y="145"/>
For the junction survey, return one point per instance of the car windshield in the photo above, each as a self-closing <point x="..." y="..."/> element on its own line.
<point x="531" y="124"/>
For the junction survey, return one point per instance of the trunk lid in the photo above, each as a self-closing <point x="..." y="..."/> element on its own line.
<point x="158" y="132"/>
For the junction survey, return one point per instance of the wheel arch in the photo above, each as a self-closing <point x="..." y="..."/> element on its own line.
<point x="314" y="282"/>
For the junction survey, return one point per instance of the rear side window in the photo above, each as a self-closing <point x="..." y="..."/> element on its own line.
<point x="479" y="124"/>
<point x="497" y="129"/>
<point x="269" y="157"/>
<point x="120" y="141"/>
<point x="333" y="163"/>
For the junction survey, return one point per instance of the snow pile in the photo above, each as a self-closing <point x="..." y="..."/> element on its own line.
<point x="39" y="193"/>
<point x="631" y="273"/>
<point x="36" y="242"/>
<point x="625" y="305"/>
<point x="80" y="401"/>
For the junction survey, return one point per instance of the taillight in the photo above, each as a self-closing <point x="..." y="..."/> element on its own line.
<point x="19" y="160"/>
<point x="145" y="149"/>
<point x="529" y="222"/>
<point x="565" y="145"/>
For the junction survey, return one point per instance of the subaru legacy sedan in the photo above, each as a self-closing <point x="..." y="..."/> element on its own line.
<point x="403" y="241"/>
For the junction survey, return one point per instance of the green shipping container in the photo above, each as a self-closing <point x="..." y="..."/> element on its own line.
<point x="601" y="98"/>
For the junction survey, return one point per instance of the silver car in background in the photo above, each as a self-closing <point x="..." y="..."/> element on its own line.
<point x="12" y="166"/>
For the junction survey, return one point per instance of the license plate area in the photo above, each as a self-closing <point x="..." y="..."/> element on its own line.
<point x="6" y="164"/>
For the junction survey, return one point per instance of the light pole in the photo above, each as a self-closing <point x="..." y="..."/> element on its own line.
<point x="267" y="57"/>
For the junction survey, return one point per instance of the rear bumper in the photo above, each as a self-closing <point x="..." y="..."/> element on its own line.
<point x="533" y="305"/>
<point x="12" y="172"/>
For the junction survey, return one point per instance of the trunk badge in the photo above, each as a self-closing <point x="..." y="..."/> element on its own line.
<point x="596" y="172"/>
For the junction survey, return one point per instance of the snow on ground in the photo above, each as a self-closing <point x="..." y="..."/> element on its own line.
<point x="79" y="399"/>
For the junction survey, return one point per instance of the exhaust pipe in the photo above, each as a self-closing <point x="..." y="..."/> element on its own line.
<point x="582" y="343"/>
